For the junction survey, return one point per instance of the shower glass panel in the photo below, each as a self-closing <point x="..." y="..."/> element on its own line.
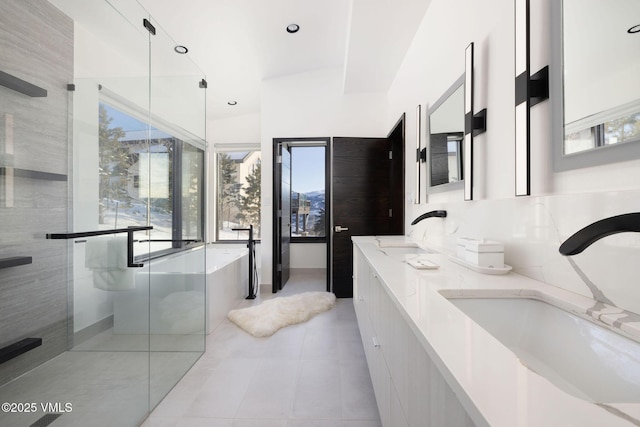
<point x="34" y="199"/>
<point x="121" y="315"/>
<point x="177" y="283"/>
<point x="111" y="303"/>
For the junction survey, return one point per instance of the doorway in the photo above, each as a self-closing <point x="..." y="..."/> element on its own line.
<point x="300" y="202"/>
<point x="364" y="195"/>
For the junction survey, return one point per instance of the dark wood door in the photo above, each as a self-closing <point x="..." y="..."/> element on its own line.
<point x="368" y="197"/>
<point x="361" y="201"/>
<point x="282" y="216"/>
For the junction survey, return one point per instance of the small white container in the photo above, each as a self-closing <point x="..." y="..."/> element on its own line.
<point x="485" y="253"/>
<point x="461" y="246"/>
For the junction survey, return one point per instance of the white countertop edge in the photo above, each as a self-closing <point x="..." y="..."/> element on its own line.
<point x="471" y="359"/>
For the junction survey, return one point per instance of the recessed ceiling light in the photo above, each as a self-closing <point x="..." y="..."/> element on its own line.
<point x="293" y="28"/>
<point x="232" y="102"/>
<point x="634" y="29"/>
<point x="181" y="49"/>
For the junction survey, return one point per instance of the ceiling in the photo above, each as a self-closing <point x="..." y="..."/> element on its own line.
<point x="239" y="43"/>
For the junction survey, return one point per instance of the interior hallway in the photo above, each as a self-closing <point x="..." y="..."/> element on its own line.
<point x="312" y="374"/>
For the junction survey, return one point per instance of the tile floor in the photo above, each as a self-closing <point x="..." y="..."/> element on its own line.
<point x="103" y="389"/>
<point x="309" y="375"/>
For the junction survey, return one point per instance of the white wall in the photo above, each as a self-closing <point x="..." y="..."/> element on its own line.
<point x="532" y="228"/>
<point x="310" y="105"/>
<point x="308" y="255"/>
<point x="243" y="129"/>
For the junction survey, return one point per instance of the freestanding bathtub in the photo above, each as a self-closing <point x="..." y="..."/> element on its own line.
<point x="179" y="298"/>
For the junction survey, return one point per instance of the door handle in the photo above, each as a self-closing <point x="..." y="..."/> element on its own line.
<point x="339" y="228"/>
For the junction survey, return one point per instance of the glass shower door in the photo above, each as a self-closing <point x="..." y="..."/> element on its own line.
<point x="176" y="194"/>
<point x="110" y="284"/>
<point x="118" y="142"/>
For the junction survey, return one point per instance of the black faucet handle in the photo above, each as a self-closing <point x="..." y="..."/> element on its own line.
<point x="431" y="214"/>
<point x="584" y="237"/>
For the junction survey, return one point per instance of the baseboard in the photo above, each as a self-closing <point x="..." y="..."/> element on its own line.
<point x="92" y="330"/>
<point x="308" y="271"/>
<point x="265" y="288"/>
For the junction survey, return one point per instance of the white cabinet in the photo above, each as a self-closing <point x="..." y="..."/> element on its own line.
<point x="410" y="390"/>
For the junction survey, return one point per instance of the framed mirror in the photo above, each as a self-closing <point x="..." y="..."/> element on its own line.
<point x="446" y="133"/>
<point x="595" y="86"/>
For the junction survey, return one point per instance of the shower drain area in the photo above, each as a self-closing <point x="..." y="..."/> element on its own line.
<point x="45" y="420"/>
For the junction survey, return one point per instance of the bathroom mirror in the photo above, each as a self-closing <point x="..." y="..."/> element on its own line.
<point x="595" y="85"/>
<point x="446" y="133"/>
<point x="418" y="198"/>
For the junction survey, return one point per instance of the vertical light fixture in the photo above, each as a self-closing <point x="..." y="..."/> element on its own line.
<point x="418" y="150"/>
<point x="530" y="90"/>
<point x="523" y="164"/>
<point x="468" y="113"/>
<point x="474" y="124"/>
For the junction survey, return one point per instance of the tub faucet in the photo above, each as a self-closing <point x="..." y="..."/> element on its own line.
<point x="581" y="239"/>
<point x="439" y="214"/>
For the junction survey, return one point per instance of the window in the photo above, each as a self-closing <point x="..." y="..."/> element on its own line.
<point x="150" y="177"/>
<point x="308" y="181"/>
<point x="621" y="125"/>
<point x="239" y="185"/>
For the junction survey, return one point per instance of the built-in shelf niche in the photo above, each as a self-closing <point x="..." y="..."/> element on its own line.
<point x="19" y="85"/>
<point x="16" y="349"/>
<point x="15" y="261"/>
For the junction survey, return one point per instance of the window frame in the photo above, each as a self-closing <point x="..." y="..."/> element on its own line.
<point x="315" y="142"/>
<point x="230" y="148"/>
<point x="180" y="137"/>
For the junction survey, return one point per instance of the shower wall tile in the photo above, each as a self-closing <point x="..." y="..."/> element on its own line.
<point x="37" y="46"/>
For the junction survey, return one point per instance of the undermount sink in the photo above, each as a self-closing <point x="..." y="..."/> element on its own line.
<point x="409" y="250"/>
<point x="397" y="246"/>
<point x="583" y="359"/>
<point x="406" y="254"/>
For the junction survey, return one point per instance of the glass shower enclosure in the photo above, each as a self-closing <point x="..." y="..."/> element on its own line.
<point x="102" y="199"/>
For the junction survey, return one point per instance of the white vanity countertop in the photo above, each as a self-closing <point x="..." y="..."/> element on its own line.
<point x="490" y="376"/>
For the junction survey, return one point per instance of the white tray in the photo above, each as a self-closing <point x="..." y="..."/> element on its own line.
<point x="484" y="270"/>
<point x="422" y="264"/>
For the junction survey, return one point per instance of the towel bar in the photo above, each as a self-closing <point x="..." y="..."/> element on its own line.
<point x="128" y="230"/>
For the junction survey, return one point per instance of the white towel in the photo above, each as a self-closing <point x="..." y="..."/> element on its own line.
<point x="107" y="258"/>
<point x="114" y="280"/>
<point x="106" y="253"/>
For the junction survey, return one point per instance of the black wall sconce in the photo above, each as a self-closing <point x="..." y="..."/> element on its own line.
<point x="474" y="124"/>
<point x="530" y="90"/>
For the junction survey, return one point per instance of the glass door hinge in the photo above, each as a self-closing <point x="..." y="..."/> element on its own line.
<point x="149" y="26"/>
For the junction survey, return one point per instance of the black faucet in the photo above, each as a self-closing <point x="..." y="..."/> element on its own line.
<point x="439" y="214"/>
<point x="599" y="229"/>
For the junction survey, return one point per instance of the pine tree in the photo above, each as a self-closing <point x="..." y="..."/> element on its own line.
<point x="114" y="162"/>
<point x="250" y="200"/>
<point x="229" y="191"/>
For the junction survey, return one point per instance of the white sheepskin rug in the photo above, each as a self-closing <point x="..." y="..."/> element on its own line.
<point x="265" y="319"/>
